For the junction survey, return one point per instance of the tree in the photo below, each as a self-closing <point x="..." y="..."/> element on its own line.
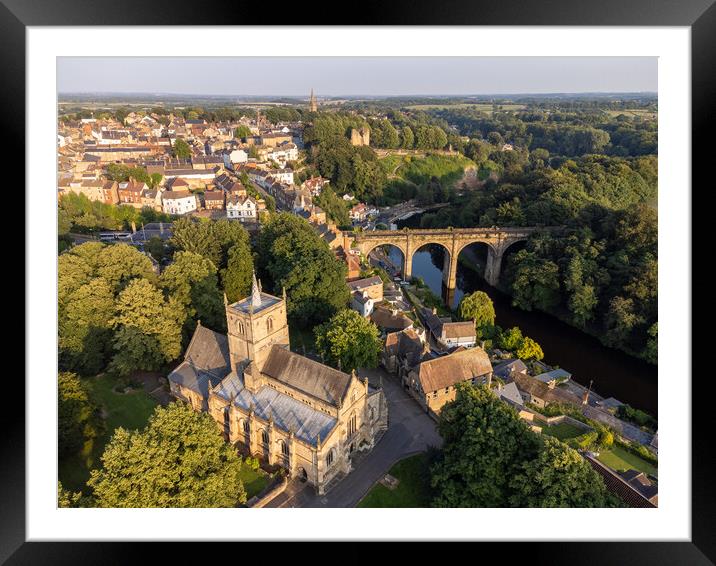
<point x="156" y="248"/>
<point x="242" y="131"/>
<point x="528" y="349"/>
<point x="236" y="277"/>
<point x="407" y="138"/>
<point x="558" y="477"/>
<point x="295" y="258"/>
<point x="78" y="417"/>
<point x="511" y="339"/>
<point x="536" y="281"/>
<point x="179" y="460"/>
<point x="148" y="328"/>
<point x="120" y="263"/>
<point x="349" y="341"/>
<point x="210" y="238"/>
<point x="182" y="150"/>
<point x="85" y="327"/>
<point x="478" y="307"/>
<point x="484" y="444"/>
<point x="192" y="280"/>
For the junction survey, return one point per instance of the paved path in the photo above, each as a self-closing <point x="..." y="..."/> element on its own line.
<point x="410" y="430"/>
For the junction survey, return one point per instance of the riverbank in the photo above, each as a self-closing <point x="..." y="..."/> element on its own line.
<point x="561" y="315"/>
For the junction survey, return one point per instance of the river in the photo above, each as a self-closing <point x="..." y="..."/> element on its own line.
<point x="615" y="374"/>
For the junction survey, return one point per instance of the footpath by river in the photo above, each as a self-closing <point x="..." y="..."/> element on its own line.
<point x="615" y="373"/>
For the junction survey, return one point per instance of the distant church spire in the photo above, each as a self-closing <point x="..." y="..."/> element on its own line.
<point x="255" y="293"/>
<point x="313" y="105"/>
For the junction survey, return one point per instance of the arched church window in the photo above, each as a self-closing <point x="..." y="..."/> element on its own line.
<point x="269" y="324"/>
<point x="329" y="458"/>
<point x="284" y="448"/>
<point x="352" y="425"/>
<point x="264" y="437"/>
<point x="240" y="327"/>
<point x="245" y="425"/>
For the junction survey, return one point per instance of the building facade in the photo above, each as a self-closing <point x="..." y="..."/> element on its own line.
<point x="286" y="409"/>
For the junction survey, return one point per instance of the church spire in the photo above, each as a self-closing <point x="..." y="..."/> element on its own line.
<point x="255" y="293"/>
<point x="313" y="105"/>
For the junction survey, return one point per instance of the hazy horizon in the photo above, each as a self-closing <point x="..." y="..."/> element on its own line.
<point x="371" y="77"/>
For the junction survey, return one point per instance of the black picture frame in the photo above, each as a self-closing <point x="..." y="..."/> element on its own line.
<point x="699" y="15"/>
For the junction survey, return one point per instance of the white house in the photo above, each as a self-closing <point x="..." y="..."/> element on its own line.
<point x="178" y="202"/>
<point x="243" y="208"/>
<point x="362" y="303"/>
<point x="232" y="158"/>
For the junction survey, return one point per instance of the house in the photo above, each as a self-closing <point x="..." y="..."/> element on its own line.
<point x="511" y="395"/>
<point x="286" y="409"/>
<point x="214" y="200"/>
<point x="448" y="334"/>
<point x="373" y="285"/>
<point x="642" y="484"/>
<point x="358" y="212"/>
<point x="504" y="370"/>
<point x="619" y="486"/>
<point x="315" y="185"/>
<point x="234" y="157"/>
<point x="242" y="207"/>
<point x="390" y="320"/>
<point x="130" y="192"/>
<point x="540" y="394"/>
<point x="432" y="383"/>
<point x="178" y="202"/>
<point x="402" y="351"/>
<point x="362" y="303"/>
<point x="554" y="377"/>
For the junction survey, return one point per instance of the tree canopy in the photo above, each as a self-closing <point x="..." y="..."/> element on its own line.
<point x="491" y="458"/>
<point x="179" y="460"/>
<point x="478" y="307"/>
<point x="349" y="341"/>
<point x="292" y="256"/>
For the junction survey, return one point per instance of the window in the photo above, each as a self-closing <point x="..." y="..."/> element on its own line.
<point x="264" y="436"/>
<point x="246" y="428"/>
<point x="284" y="449"/>
<point x="329" y="458"/>
<point x="240" y="327"/>
<point x="269" y="324"/>
<point x="352" y="425"/>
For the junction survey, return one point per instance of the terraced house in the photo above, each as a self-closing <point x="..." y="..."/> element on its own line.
<point x="287" y="409"/>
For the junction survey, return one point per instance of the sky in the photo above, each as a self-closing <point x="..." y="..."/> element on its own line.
<point x="343" y="76"/>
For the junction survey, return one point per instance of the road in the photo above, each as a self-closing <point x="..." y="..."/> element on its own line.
<point x="410" y="430"/>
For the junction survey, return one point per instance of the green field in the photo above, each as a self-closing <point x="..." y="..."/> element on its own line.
<point x="563" y="431"/>
<point x="481" y="106"/>
<point x="634" y="112"/>
<point x="413" y="490"/>
<point x="129" y="410"/>
<point x="418" y="170"/>
<point x="619" y="459"/>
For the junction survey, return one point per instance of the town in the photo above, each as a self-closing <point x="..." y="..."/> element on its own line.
<point x="248" y="274"/>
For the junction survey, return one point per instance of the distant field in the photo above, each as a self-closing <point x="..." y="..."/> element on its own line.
<point x="418" y="170"/>
<point x="482" y="106"/>
<point x="563" y="431"/>
<point x="634" y="112"/>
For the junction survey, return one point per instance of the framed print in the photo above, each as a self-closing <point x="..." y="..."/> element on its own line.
<point x="391" y="279"/>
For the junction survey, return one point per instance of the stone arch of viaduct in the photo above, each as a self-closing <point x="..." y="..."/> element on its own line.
<point x="453" y="240"/>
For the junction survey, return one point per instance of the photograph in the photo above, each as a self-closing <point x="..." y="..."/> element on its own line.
<point x="357" y="282"/>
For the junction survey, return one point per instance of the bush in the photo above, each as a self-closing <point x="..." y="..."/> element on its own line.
<point x="636" y="416"/>
<point x="584" y="441"/>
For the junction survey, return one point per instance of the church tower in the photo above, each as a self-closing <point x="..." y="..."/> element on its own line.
<point x="312" y="104"/>
<point x="255" y="324"/>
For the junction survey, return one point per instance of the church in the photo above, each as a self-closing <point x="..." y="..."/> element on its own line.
<point x="282" y="407"/>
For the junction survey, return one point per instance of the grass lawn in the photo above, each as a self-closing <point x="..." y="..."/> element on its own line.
<point x="254" y="480"/>
<point x="563" y="431"/>
<point x="130" y="410"/>
<point x="619" y="459"/>
<point x="413" y="490"/>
